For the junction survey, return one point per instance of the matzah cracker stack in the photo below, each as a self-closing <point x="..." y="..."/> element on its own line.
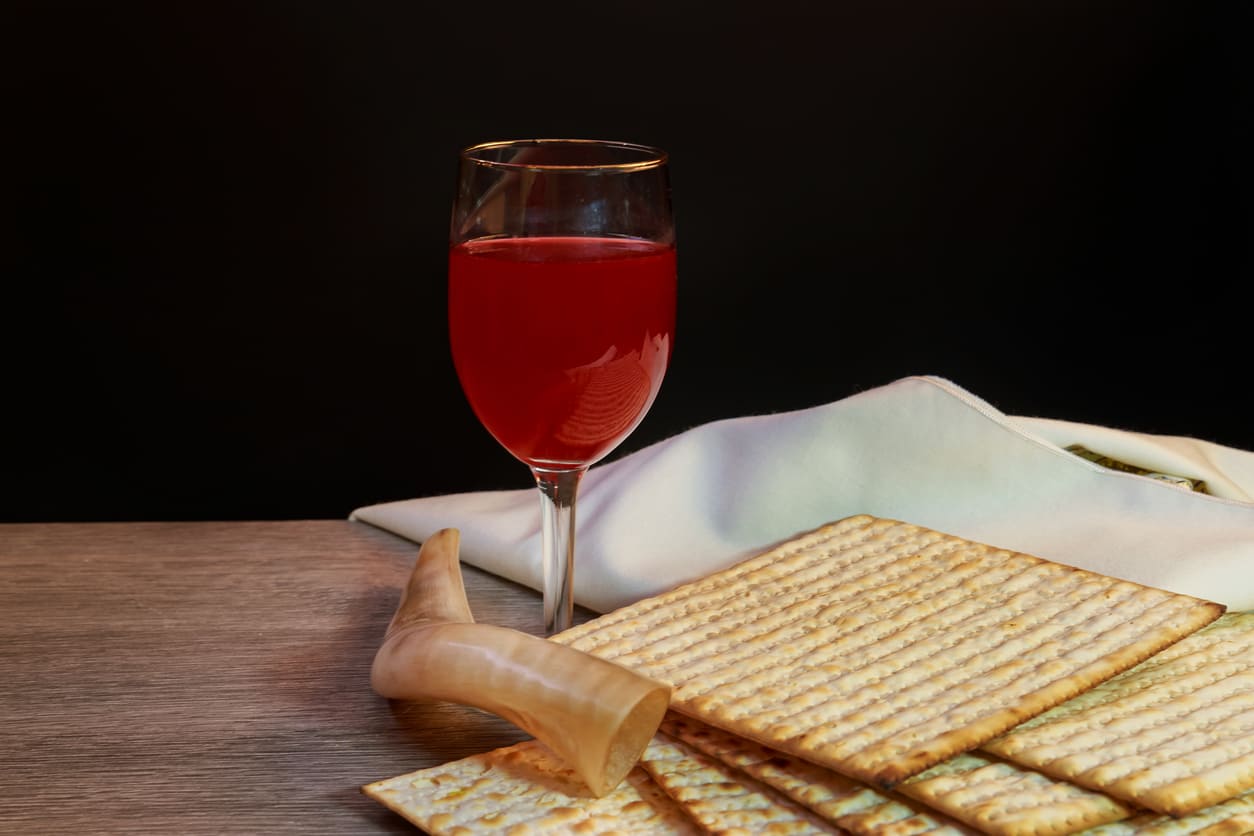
<point x="1173" y="735"/>
<point x="879" y="648"/>
<point x="851" y="805"/>
<point x="1005" y="800"/>
<point x="523" y="790"/>
<point x="722" y="800"/>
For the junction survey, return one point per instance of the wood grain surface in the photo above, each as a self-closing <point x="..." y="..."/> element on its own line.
<point x="214" y="677"/>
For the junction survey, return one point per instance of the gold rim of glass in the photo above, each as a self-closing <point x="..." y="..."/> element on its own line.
<point x="650" y="157"/>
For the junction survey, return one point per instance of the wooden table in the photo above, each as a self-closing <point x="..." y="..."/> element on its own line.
<point x="214" y="677"/>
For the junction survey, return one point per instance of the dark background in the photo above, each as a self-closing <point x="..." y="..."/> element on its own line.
<point x="225" y="282"/>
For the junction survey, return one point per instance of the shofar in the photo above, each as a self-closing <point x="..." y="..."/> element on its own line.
<point x="596" y="715"/>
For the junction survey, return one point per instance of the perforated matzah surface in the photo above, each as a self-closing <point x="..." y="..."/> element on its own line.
<point x="723" y="801"/>
<point x="1007" y="800"/>
<point x="879" y="648"/>
<point x="1174" y="735"/>
<point x="854" y="806"/>
<point x="525" y="790"/>
<point x="1234" y="817"/>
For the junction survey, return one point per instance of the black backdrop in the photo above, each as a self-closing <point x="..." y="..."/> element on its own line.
<point x="225" y="288"/>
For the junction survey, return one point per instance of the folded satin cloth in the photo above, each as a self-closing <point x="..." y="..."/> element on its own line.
<point x="921" y="450"/>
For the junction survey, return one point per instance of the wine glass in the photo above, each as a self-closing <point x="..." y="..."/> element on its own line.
<point x="561" y="312"/>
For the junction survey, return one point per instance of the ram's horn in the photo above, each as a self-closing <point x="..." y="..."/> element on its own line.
<point x="595" y="715"/>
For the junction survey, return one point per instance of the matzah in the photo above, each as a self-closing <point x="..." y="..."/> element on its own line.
<point x="1173" y="735"/>
<point x="1006" y="800"/>
<point x="525" y="790"/>
<point x="879" y="648"/>
<point x="720" y="799"/>
<point x="1232" y="818"/>
<point x="849" y="804"/>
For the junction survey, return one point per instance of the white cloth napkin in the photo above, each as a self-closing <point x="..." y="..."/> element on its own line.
<point x="921" y="450"/>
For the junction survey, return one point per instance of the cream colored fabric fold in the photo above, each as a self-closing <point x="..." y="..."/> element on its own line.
<point x="920" y="449"/>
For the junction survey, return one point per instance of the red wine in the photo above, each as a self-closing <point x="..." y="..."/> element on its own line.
<point x="561" y="343"/>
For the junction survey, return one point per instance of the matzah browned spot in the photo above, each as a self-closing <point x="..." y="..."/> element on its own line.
<point x="1174" y="734"/>
<point x="849" y="804"/>
<point x="722" y="800"/>
<point x="879" y="648"/>
<point x="525" y="789"/>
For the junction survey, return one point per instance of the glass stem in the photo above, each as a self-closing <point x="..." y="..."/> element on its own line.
<point x="557" y="530"/>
